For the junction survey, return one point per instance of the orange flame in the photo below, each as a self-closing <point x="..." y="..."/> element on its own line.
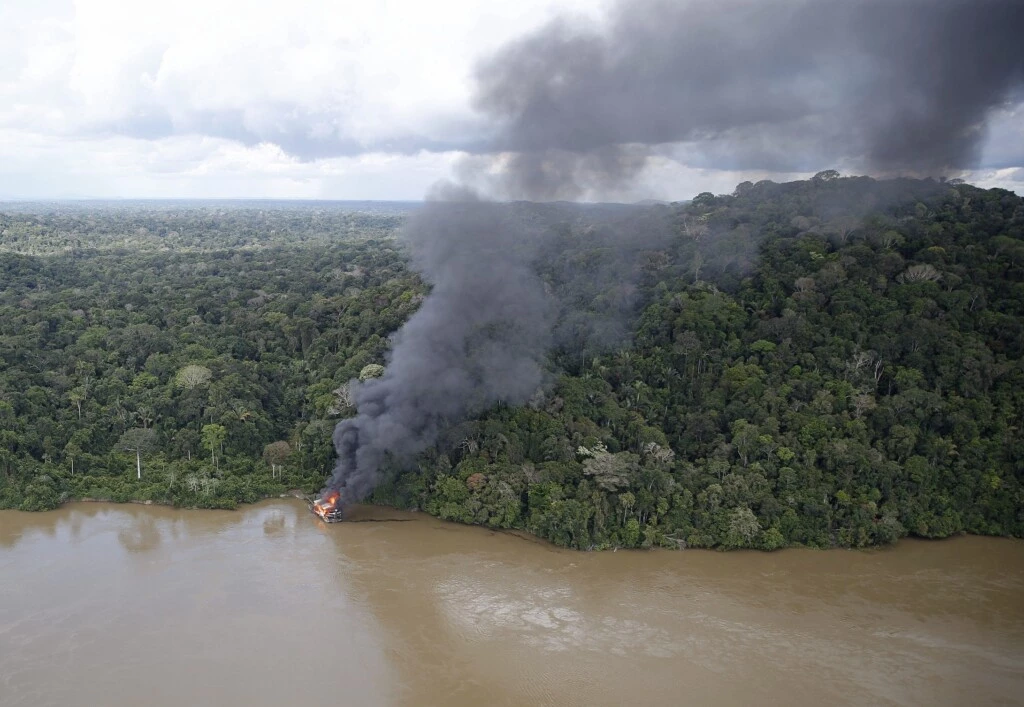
<point x="326" y="505"/>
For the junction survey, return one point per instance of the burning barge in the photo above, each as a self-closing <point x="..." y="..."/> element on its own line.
<point x="328" y="508"/>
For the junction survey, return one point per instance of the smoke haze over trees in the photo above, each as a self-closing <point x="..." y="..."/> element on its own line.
<point x="476" y="339"/>
<point x="858" y="381"/>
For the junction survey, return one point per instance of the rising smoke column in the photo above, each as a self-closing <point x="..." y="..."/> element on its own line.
<point x="892" y="86"/>
<point x="478" y="338"/>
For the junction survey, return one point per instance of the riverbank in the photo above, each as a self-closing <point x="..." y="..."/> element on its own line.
<point x="198" y="487"/>
<point x="365" y="512"/>
<point x="293" y="493"/>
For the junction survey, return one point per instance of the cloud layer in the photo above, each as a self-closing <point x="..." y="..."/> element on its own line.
<point x="376" y="100"/>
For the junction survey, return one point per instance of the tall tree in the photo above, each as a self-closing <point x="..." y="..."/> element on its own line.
<point x="213" y="439"/>
<point x="138" y="440"/>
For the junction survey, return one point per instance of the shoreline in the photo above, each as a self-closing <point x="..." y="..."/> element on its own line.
<point x="291" y="493"/>
<point x="519" y="533"/>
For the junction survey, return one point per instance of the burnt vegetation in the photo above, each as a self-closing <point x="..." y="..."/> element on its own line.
<point x="835" y="361"/>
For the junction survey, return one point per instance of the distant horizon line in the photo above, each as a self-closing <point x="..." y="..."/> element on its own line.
<point x="299" y="200"/>
<point x="31" y="200"/>
<point x="6" y="199"/>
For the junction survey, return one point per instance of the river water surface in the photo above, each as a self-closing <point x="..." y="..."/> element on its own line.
<point x="132" y="605"/>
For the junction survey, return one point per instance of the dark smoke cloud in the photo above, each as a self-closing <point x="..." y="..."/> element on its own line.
<point x="897" y="85"/>
<point x="509" y="281"/>
<point x="478" y="338"/>
<point x="886" y="85"/>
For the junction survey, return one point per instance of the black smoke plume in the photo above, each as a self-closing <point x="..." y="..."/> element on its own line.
<point x="478" y="338"/>
<point x="888" y="85"/>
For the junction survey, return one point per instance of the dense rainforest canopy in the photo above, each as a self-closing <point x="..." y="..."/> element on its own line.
<point x="835" y="361"/>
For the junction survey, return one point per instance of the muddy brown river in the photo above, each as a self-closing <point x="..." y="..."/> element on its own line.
<point x="131" y="605"/>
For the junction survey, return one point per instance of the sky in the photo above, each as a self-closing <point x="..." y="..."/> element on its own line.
<point x="299" y="99"/>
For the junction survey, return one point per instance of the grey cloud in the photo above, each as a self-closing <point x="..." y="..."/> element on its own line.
<point x="304" y="134"/>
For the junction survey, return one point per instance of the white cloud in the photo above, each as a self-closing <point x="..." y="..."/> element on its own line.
<point x="1009" y="178"/>
<point x="195" y="166"/>
<point x="97" y="95"/>
<point x="351" y="71"/>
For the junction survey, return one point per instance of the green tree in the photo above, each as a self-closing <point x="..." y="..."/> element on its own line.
<point x="372" y="370"/>
<point x="276" y="454"/>
<point x="213" y="436"/>
<point x="743" y="528"/>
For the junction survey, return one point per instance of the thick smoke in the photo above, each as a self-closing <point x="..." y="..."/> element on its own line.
<point x="790" y="85"/>
<point x="477" y="339"/>
<point x="888" y="85"/>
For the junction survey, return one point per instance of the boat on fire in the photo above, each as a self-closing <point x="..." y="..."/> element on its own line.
<point x="328" y="507"/>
